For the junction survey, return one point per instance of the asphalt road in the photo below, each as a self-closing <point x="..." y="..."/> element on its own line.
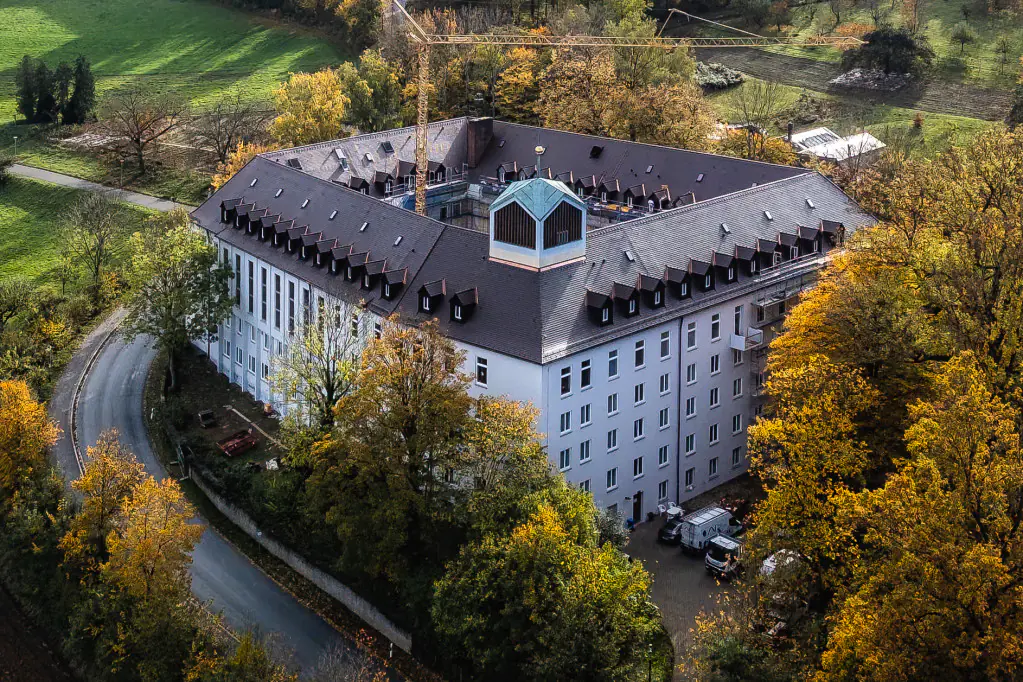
<point x="136" y="198"/>
<point x="112" y="398"/>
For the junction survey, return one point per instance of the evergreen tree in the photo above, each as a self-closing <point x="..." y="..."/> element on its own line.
<point x="62" y="79"/>
<point x="83" y="98"/>
<point x="46" y="103"/>
<point x="25" y="83"/>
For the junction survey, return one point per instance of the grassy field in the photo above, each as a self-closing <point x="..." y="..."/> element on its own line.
<point x="979" y="64"/>
<point x="850" y="114"/>
<point x="191" y="47"/>
<point x="30" y="227"/>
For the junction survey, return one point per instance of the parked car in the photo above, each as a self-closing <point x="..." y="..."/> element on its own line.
<point x="671" y="531"/>
<point x="699" y="527"/>
<point x="724" y="557"/>
<point x="780" y="559"/>
<point x="207" y="419"/>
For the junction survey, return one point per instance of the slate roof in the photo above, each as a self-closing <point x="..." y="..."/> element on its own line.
<point x="535" y="316"/>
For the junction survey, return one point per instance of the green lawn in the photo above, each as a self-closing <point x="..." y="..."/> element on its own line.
<point x="850" y="114"/>
<point x="192" y="47"/>
<point x="30" y="227"/>
<point x="938" y="18"/>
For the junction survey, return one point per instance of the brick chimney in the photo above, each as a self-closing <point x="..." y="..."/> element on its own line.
<point x="480" y="132"/>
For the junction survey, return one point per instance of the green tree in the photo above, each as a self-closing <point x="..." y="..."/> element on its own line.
<point x="176" y="285"/>
<point x="90" y="233"/>
<point x="546" y="603"/>
<point x="963" y="35"/>
<point x="893" y="50"/>
<point x="26" y="90"/>
<point x="63" y="78"/>
<point x="374" y="92"/>
<point x="83" y="97"/>
<point x="46" y="102"/>
<point x="16" y="296"/>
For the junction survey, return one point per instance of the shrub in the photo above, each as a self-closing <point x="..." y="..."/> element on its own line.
<point x="892" y="50"/>
<point x="717" y="76"/>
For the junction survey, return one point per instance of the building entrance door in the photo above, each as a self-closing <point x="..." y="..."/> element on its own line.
<point x="637" y="507"/>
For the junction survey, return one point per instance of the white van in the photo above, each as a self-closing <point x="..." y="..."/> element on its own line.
<point x="699" y="527"/>
<point x="724" y="557"/>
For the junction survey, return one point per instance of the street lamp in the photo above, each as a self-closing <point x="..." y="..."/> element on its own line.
<point x="15" y="146"/>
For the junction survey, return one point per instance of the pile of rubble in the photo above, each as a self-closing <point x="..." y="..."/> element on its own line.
<point x="872" y="79"/>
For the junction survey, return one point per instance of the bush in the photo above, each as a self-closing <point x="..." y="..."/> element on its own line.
<point x="6" y="161"/>
<point x="892" y="50"/>
<point x="717" y="76"/>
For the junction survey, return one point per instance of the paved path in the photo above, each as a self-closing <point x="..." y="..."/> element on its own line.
<point x="144" y="200"/>
<point x="936" y="96"/>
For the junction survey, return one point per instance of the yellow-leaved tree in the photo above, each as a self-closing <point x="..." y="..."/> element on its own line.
<point x="312" y="107"/>
<point x="25" y="433"/>
<point x="237" y="159"/>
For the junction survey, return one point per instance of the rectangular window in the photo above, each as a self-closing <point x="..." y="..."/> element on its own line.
<point x="238" y="280"/>
<point x="738" y="320"/>
<point x="612" y="364"/>
<point x="291" y="307"/>
<point x="712" y="467"/>
<point x="306" y="307"/>
<point x="266" y="342"/>
<point x="662" y="418"/>
<point x="252" y="364"/>
<point x="690" y="407"/>
<point x="715" y="327"/>
<point x="760" y="313"/>
<point x="665" y="344"/>
<point x="737" y="387"/>
<point x="239" y="356"/>
<point x="715" y="364"/>
<point x="736" y="423"/>
<point x="565" y="459"/>
<point x="252" y="287"/>
<point x="262" y="294"/>
<point x="585" y="486"/>
<point x="736" y="358"/>
<point x="566" y="422"/>
<point x="640" y="354"/>
<point x="690" y="473"/>
<point x="639" y="394"/>
<point x="612" y="478"/>
<point x="354" y="324"/>
<point x="584" y="415"/>
<point x="584" y="374"/>
<point x="662" y="491"/>
<point x="714" y="397"/>
<point x="690" y="443"/>
<point x="736" y="456"/>
<point x="691" y="373"/>
<point x="691" y="336"/>
<point x="712" y="436"/>
<point x="252" y="332"/>
<point x="662" y="456"/>
<point x="637" y="467"/>
<point x="266" y="371"/>
<point x="612" y="404"/>
<point x="612" y="440"/>
<point x="227" y="348"/>
<point x="637" y="429"/>
<point x="277" y="301"/>
<point x="664" y="383"/>
<point x="584" y="451"/>
<point x="481" y="371"/>
<point x="566" y="380"/>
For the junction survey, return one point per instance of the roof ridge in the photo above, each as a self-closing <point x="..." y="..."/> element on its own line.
<point x="334" y="142"/>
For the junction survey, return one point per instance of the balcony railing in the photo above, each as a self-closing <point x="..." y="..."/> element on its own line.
<point x="753" y="338"/>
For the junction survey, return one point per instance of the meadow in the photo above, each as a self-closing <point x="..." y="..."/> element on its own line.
<point x="193" y="48"/>
<point x="30" y="214"/>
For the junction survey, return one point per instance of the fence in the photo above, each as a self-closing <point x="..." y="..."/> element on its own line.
<point x="300" y="565"/>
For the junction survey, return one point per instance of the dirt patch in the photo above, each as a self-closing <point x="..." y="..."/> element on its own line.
<point x="24" y="655"/>
<point x="203" y="388"/>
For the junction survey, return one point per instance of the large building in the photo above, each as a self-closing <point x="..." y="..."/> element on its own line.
<point x="627" y="290"/>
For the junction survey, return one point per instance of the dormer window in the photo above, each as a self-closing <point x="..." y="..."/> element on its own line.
<point x="650" y="205"/>
<point x="333" y="267"/>
<point x="351" y="273"/>
<point x="365" y="190"/>
<point x="291" y="247"/>
<point x="603" y="197"/>
<point x="365" y="282"/>
<point x="387" y="290"/>
<point x="794" y="252"/>
<point x="683" y="289"/>
<point x="628" y="201"/>
<point x="458" y="312"/>
<point x="500" y="174"/>
<point x="388" y="186"/>
<point x="605" y="315"/>
<point x="318" y="260"/>
<point x="632" y="306"/>
<point x="707" y="281"/>
<point x="814" y="247"/>
<point x="731" y="273"/>
<point x="303" y="253"/>
<point x="657" y="298"/>
<point x="424" y="304"/>
<point x="777" y="257"/>
<point x="753" y="265"/>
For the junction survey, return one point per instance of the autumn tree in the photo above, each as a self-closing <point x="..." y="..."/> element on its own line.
<point x="545" y="602"/>
<point x="578" y="92"/>
<point x="934" y="594"/>
<point x="517" y="90"/>
<point x="110" y="478"/>
<point x="318" y="367"/>
<point x="311" y="107"/>
<point x="380" y="480"/>
<point x="90" y="234"/>
<point x="373" y="91"/>
<point x="228" y="124"/>
<point x="25" y="433"/>
<point x="754" y="105"/>
<point x="139" y="117"/>
<point x="236" y="160"/>
<point x="178" y="289"/>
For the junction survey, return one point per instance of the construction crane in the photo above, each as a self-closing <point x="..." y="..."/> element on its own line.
<point x="424" y="41"/>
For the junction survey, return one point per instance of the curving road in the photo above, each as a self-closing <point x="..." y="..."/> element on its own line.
<point x="111" y="398"/>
